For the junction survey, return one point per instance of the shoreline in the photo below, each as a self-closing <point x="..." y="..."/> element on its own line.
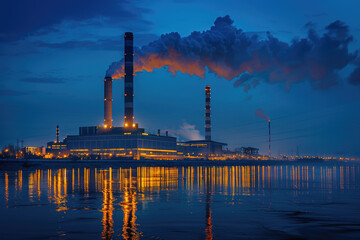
<point x="64" y="163"/>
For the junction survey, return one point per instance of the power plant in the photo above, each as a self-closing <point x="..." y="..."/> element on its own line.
<point x="130" y="141"/>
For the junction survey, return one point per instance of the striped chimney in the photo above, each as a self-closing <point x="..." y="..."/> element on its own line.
<point x="57" y="134"/>
<point x="207" y="114"/>
<point x="129" y="80"/>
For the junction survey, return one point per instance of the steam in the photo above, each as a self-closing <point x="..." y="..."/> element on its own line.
<point x="260" y="113"/>
<point x="233" y="54"/>
<point x="187" y="131"/>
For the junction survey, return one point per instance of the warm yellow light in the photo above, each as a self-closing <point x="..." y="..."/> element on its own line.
<point x="133" y="124"/>
<point x="105" y="126"/>
<point x="126" y="124"/>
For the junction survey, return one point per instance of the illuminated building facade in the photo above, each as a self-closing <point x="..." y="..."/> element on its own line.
<point x="35" y="150"/>
<point x="136" y="145"/>
<point x="56" y="148"/>
<point x="200" y="148"/>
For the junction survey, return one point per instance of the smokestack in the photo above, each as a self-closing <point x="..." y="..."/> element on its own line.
<point x="108" y="102"/>
<point x="158" y="132"/>
<point x="129" y="79"/>
<point x="207" y="114"/>
<point x="167" y="133"/>
<point x="57" y="134"/>
<point x="269" y="141"/>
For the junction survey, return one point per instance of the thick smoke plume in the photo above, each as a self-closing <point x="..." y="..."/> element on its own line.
<point x="231" y="53"/>
<point x="260" y="113"/>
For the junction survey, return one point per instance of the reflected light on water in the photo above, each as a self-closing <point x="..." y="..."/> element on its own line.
<point x="122" y="189"/>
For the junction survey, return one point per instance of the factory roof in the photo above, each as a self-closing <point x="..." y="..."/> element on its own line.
<point x="205" y="141"/>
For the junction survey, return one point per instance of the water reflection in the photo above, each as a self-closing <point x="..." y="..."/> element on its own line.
<point x="105" y="178"/>
<point x="129" y="207"/>
<point x="208" y="229"/>
<point x="123" y="189"/>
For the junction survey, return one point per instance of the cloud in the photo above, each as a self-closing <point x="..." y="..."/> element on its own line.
<point x="187" y="131"/>
<point x="19" y="19"/>
<point x="46" y="80"/>
<point x="231" y="53"/>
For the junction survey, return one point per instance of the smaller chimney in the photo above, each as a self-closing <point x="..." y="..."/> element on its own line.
<point x="269" y="141"/>
<point x="207" y="114"/>
<point x="57" y="134"/>
<point x="167" y="133"/>
<point x="108" y="102"/>
<point x="158" y="132"/>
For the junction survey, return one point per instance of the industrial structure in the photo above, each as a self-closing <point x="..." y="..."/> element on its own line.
<point x="207" y="147"/>
<point x="247" y="151"/>
<point x="269" y="141"/>
<point x="207" y="114"/>
<point x="108" y="102"/>
<point x="130" y="141"/>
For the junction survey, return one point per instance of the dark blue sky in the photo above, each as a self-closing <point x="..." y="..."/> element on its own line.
<point x="54" y="55"/>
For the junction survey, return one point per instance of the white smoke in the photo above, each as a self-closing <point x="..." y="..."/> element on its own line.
<point x="187" y="131"/>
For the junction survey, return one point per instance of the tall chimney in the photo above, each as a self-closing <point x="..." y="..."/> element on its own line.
<point x="269" y="141"/>
<point x="207" y="114"/>
<point x="129" y="79"/>
<point x="108" y="102"/>
<point x="57" y="134"/>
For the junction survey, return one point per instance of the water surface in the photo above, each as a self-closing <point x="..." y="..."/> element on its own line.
<point x="237" y="202"/>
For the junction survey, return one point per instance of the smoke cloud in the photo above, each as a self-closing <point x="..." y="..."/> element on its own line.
<point x="187" y="131"/>
<point x="260" y="113"/>
<point x="231" y="53"/>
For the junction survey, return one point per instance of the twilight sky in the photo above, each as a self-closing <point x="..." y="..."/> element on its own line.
<point x="54" y="56"/>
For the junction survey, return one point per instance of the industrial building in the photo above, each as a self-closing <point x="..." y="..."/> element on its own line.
<point x="130" y="141"/>
<point x="247" y="151"/>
